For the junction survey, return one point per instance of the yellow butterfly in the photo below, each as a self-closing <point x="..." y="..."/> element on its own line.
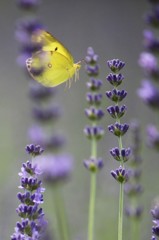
<point x="53" y="64"/>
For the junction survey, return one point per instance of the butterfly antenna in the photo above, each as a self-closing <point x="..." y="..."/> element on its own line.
<point x="81" y="61"/>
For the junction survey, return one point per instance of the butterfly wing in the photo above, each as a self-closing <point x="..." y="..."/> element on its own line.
<point x="50" y="68"/>
<point x="50" y="43"/>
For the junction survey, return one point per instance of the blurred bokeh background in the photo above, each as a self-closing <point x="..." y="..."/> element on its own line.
<point x="114" y="29"/>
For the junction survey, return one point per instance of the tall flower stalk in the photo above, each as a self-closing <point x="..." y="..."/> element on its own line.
<point x="94" y="132"/>
<point x="118" y="129"/>
<point x="32" y="224"/>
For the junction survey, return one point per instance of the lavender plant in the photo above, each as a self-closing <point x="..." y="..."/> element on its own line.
<point x="133" y="188"/>
<point x="118" y="129"/>
<point x="33" y="223"/>
<point x="155" y="216"/>
<point x="94" y="132"/>
<point x="149" y="90"/>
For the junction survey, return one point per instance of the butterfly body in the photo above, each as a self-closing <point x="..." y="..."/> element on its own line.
<point x="53" y="64"/>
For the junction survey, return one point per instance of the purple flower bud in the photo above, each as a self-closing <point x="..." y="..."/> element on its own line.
<point x="93" y="164"/>
<point x="120" y="155"/>
<point x="94" y="114"/>
<point x="116" y="111"/>
<point x="115" y="65"/>
<point x="116" y="95"/>
<point x="92" y="70"/>
<point x="115" y="79"/>
<point x="94" y="132"/>
<point x="94" y="84"/>
<point x="120" y="174"/>
<point x="94" y="98"/>
<point x="28" y="4"/>
<point x="155" y="230"/>
<point x="118" y="129"/>
<point x="34" y="150"/>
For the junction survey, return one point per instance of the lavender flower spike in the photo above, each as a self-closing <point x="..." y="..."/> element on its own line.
<point x="118" y="129"/>
<point x="32" y="223"/>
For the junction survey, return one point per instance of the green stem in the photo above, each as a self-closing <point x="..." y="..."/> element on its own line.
<point x="120" y="142"/>
<point x="92" y="206"/>
<point x="121" y="198"/>
<point x="120" y="217"/>
<point x="61" y="214"/>
<point x="92" y="193"/>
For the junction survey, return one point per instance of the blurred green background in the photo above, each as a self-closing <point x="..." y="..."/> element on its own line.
<point x="114" y="29"/>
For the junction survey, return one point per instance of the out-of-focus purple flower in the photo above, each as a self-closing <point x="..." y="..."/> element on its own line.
<point x="134" y="212"/>
<point x="51" y="142"/>
<point x="153" y="238"/>
<point x="28" y="4"/>
<point x="155" y="212"/>
<point x="94" y="99"/>
<point x="55" y="168"/>
<point x="148" y="62"/>
<point x="150" y="42"/>
<point x="50" y="113"/>
<point x="94" y="132"/>
<point x="153" y="136"/>
<point x="94" y="84"/>
<point x="93" y="113"/>
<point x="25" y="28"/>
<point x="153" y="17"/>
<point x="38" y="92"/>
<point x="32" y="223"/>
<point x="149" y="94"/>
<point x="36" y="135"/>
<point x="93" y="164"/>
<point x="133" y="189"/>
<point x="92" y="67"/>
